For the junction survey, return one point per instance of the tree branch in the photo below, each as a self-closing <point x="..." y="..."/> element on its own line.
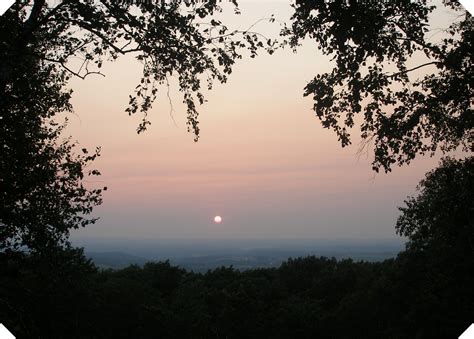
<point x="77" y="74"/>
<point x="414" y="68"/>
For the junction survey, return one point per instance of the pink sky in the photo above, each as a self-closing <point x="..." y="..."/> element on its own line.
<point x="263" y="163"/>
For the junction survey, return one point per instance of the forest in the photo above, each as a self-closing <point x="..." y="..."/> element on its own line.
<point x="425" y="292"/>
<point x="49" y="289"/>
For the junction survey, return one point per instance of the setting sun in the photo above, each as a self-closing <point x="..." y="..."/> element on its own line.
<point x="217" y="219"/>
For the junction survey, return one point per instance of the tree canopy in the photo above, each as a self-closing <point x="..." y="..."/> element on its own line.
<point x="176" y="38"/>
<point x="312" y="297"/>
<point x="438" y="259"/>
<point x="42" y="193"/>
<point x="441" y="216"/>
<point x="376" y="48"/>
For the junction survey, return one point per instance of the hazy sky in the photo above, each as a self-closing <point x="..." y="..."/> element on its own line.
<point x="263" y="162"/>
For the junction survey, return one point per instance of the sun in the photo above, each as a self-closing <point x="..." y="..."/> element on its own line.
<point x="217" y="219"/>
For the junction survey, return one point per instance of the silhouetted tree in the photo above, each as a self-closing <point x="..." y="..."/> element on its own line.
<point x="441" y="217"/>
<point x="439" y="224"/>
<point x="373" y="45"/>
<point x="42" y="194"/>
<point x="170" y="38"/>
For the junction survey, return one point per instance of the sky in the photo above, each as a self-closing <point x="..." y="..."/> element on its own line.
<point x="263" y="162"/>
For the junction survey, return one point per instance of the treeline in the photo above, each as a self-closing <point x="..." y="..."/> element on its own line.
<point x="312" y="297"/>
<point x="426" y="292"/>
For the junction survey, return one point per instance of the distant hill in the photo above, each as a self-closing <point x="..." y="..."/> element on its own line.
<point x="241" y="259"/>
<point x="115" y="259"/>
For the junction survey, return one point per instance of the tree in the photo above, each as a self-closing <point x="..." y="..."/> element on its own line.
<point x="47" y="296"/>
<point x="436" y="268"/>
<point x="373" y="45"/>
<point x="43" y="191"/>
<point x="441" y="217"/>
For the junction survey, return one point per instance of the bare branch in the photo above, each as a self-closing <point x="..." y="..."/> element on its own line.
<point x="77" y="74"/>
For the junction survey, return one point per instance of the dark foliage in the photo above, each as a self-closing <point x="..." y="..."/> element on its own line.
<point x="42" y="194"/>
<point x="304" y="298"/>
<point x="373" y="45"/>
<point x="442" y="217"/>
<point x="179" y="39"/>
